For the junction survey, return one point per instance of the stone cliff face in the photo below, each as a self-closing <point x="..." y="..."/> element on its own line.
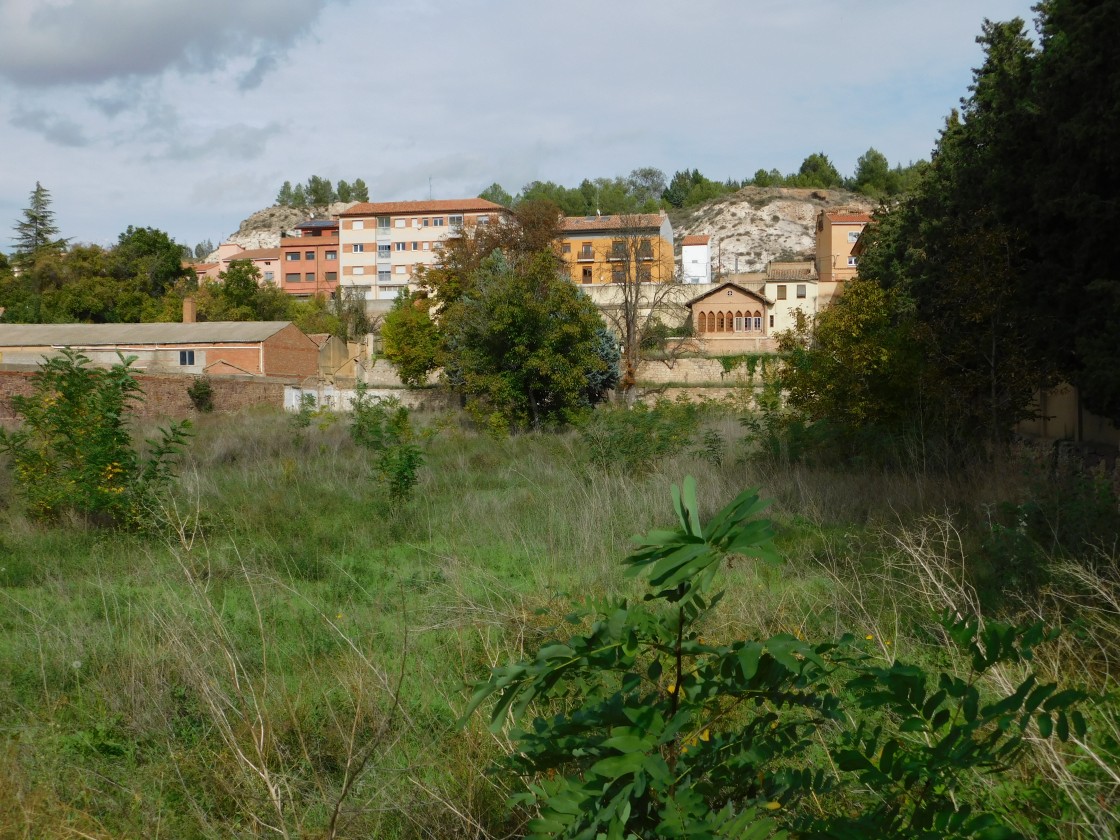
<point x="265" y="227"/>
<point x="750" y="227"/>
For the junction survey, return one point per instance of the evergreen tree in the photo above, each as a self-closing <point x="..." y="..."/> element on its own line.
<point x="497" y="193"/>
<point x="299" y="197"/>
<point x="37" y="233"/>
<point x="873" y="174"/>
<point x="817" y="171"/>
<point x="359" y="191"/>
<point x="284" y="198"/>
<point x="343" y="192"/>
<point x="319" y="191"/>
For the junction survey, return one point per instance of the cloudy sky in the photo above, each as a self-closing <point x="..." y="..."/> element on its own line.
<point x="187" y="115"/>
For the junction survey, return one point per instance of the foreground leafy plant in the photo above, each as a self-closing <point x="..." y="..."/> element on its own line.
<point x="74" y="450"/>
<point x="384" y="427"/>
<point x="645" y="728"/>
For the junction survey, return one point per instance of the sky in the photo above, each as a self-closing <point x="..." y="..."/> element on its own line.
<point x="188" y="115"/>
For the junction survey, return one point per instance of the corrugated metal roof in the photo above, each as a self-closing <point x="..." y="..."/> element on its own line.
<point x="90" y="335"/>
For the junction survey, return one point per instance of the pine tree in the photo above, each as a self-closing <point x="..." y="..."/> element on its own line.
<point x="37" y="233"/>
<point x="343" y="191"/>
<point x="284" y="197"/>
<point x="359" y="191"/>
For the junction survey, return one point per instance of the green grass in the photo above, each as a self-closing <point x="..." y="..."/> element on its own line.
<point x="291" y="635"/>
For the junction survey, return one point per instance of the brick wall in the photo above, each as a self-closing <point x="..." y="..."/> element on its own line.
<point x="291" y="353"/>
<point x="166" y="395"/>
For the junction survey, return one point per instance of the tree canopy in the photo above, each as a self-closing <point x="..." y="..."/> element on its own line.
<point x="37" y="232"/>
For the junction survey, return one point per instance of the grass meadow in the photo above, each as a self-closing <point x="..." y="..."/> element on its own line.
<point x="290" y="656"/>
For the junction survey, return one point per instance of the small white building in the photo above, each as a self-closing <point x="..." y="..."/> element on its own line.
<point x="696" y="259"/>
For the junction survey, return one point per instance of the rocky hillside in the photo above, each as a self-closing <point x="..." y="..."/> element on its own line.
<point x="265" y="227"/>
<point x="758" y="224"/>
<point x="748" y="228"/>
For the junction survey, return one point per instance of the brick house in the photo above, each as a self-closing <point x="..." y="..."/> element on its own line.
<point x="218" y="348"/>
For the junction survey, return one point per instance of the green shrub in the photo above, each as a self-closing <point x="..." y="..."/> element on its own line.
<point x="74" y="450"/>
<point x="384" y="427"/>
<point x="636" y="439"/>
<point x="201" y="394"/>
<point x="644" y="725"/>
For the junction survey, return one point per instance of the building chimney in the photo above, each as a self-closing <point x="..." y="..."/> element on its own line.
<point x="188" y="310"/>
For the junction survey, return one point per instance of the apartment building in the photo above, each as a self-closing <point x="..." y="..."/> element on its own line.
<point x="309" y="259"/>
<point x="837" y="234"/>
<point x="618" y="249"/>
<point x="384" y="244"/>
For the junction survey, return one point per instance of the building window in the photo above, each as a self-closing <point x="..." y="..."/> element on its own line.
<point x="359" y="269"/>
<point x="437" y="221"/>
<point x="853" y="236"/>
<point x="415" y="246"/>
<point x="618" y="249"/>
<point x="618" y="274"/>
<point x="398" y="223"/>
<point x="424" y="222"/>
<point x="645" y="250"/>
<point x="330" y="255"/>
<point x="566" y="248"/>
<point x="357" y="224"/>
<point x="739" y="322"/>
<point x="801" y="290"/>
<point x="852" y="262"/>
<point x="771" y="322"/>
<point x="309" y="255"/>
<point x="401" y="269"/>
<point x="758" y="320"/>
<point x="292" y="256"/>
<point x="383" y="222"/>
<point x="455" y="220"/>
<point x="401" y="246"/>
<point x="586" y="277"/>
<point x="358" y="247"/>
<point x="291" y="278"/>
<point x="332" y="276"/>
<point x="269" y="276"/>
<point x="383" y="250"/>
<point x="719" y="322"/>
<point x="384" y="276"/>
<point x="645" y="274"/>
<point x="186" y="357"/>
<point x="484" y="220"/>
<point x="781" y="292"/>
<point x="310" y="277"/>
<point x="586" y="252"/>
<point x="427" y="246"/>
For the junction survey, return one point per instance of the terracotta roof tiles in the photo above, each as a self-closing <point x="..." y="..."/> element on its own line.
<point x="448" y="205"/>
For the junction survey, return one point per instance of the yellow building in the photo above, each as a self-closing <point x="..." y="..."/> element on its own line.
<point x="618" y="249"/>
<point x="837" y="234"/>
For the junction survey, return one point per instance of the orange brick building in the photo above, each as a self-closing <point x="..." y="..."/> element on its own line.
<point x="309" y="259"/>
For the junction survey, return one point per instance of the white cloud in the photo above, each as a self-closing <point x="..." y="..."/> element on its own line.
<point x="59" y="42"/>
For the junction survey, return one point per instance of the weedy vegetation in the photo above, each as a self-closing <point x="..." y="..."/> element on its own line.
<point x="294" y="649"/>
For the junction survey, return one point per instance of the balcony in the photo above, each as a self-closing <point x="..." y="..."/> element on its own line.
<point x="585" y="255"/>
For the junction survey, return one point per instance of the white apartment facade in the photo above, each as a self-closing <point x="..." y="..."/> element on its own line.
<point x="383" y="244"/>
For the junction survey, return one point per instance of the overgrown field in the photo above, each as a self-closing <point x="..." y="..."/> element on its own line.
<point x="291" y="656"/>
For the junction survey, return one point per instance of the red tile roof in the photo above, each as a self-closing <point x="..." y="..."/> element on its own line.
<point x="255" y="254"/>
<point x="574" y="224"/>
<point x="448" y="205"/>
<point x="696" y="239"/>
<point x="848" y="218"/>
